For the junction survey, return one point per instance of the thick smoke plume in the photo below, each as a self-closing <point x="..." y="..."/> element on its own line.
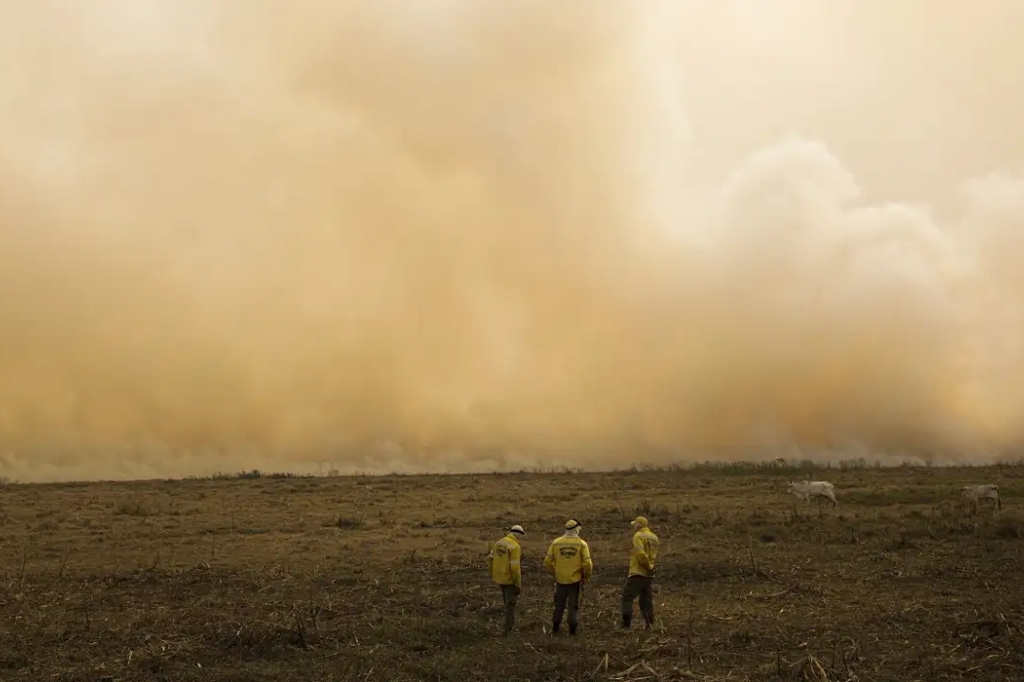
<point x="471" y="234"/>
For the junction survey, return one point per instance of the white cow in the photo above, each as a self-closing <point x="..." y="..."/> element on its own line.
<point x="974" y="493"/>
<point x="805" y="490"/>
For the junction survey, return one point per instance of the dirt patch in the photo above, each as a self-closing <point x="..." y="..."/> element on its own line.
<point x="385" y="579"/>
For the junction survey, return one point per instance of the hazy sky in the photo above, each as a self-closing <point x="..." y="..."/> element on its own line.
<point x="480" y="234"/>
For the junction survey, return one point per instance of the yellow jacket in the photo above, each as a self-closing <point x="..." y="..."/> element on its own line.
<point x="503" y="561"/>
<point x="644" y="553"/>
<point x="568" y="559"/>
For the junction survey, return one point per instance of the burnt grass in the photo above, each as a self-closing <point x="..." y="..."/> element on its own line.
<point x="289" y="578"/>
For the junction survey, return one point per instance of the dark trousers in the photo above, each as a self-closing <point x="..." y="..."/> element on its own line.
<point x="510" y="597"/>
<point x="567" y="595"/>
<point x="642" y="587"/>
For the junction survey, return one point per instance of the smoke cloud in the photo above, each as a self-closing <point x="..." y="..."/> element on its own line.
<point x="471" y="235"/>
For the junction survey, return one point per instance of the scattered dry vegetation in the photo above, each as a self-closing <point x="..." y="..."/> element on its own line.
<point x="285" y="578"/>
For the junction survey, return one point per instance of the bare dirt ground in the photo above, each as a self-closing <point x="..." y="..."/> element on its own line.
<point x="308" y="579"/>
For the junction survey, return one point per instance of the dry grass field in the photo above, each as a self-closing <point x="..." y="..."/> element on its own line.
<point x="287" y="578"/>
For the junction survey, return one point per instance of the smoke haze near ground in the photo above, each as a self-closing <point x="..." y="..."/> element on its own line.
<point x="466" y="235"/>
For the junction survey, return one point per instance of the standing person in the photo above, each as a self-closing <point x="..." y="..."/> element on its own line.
<point x="640" y="582"/>
<point x="569" y="561"/>
<point x="503" y="562"/>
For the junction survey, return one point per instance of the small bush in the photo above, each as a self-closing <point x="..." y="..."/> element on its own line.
<point x="1009" y="528"/>
<point x="348" y="522"/>
<point x="900" y="542"/>
<point x="132" y="507"/>
<point x="652" y="510"/>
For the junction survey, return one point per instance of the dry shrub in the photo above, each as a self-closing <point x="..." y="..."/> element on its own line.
<point x="1008" y="526"/>
<point x="133" y="507"/>
<point x="652" y="510"/>
<point x="348" y="522"/>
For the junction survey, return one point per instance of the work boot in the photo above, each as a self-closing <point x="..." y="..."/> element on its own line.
<point x="572" y="629"/>
<point x="554" y="627"/>
<point x="626" y="621"/>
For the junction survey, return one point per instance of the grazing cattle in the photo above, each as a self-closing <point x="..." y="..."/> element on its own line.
<point x="805" y="490"/>
<point x="974" y="493"/>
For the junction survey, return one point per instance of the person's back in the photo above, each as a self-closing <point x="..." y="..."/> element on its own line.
<point x="639" y="582"/>
<point x="644" y="552"/>
<point x="504" y="562"/>
<point x="569" y="561"/>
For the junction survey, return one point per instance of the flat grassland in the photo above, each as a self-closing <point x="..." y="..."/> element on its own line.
<point x="289" y="578"/>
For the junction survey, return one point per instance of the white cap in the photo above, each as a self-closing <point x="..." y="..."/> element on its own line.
<point x="517" y="529"/>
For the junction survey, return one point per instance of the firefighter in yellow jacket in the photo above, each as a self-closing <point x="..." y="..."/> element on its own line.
<point x="569" y="561"/>
<point x="503" y="562"/>
<point x="640" y="582"/>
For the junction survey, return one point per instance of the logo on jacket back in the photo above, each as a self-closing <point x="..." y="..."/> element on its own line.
<point x="500" y="551"/>
<point x="567" y="552"/>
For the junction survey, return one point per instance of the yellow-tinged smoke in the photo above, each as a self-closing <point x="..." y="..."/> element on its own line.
<point x="465" y="234"/>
